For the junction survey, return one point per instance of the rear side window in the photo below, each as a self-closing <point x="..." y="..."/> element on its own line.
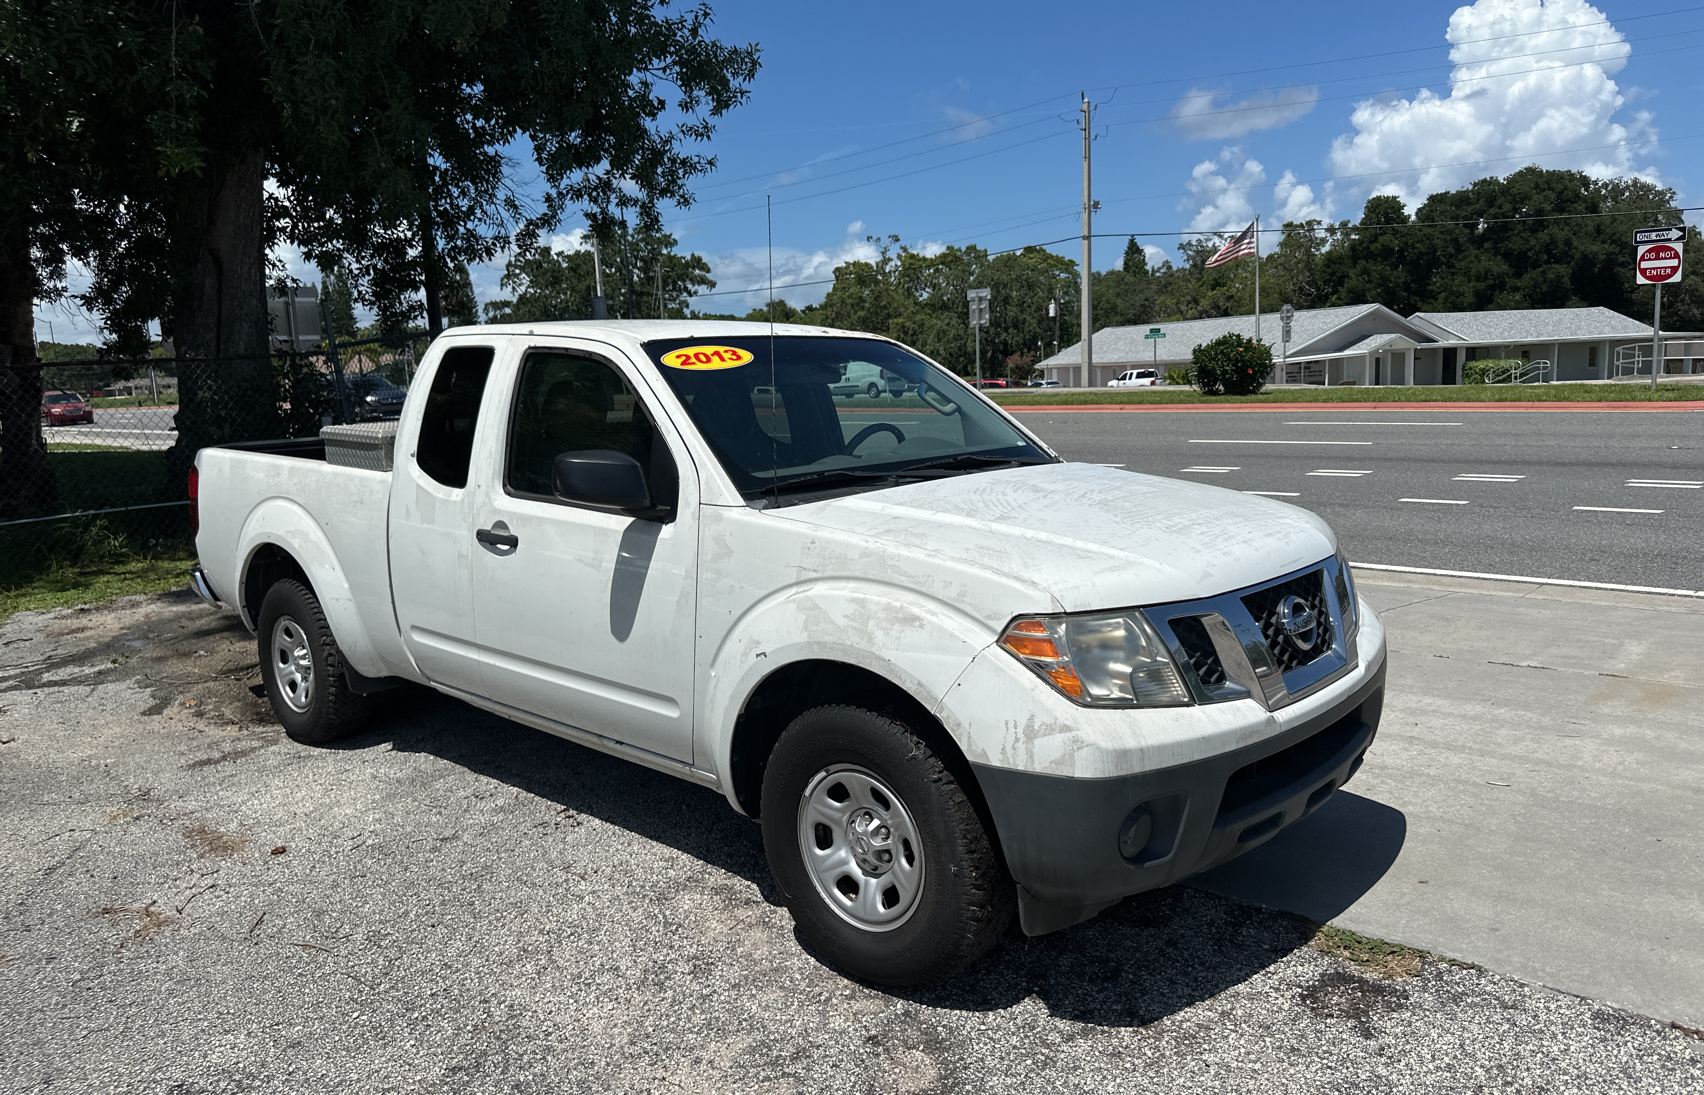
<point x="445" y="447"/>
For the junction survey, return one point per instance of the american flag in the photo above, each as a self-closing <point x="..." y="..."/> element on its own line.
<point x="1242" y="245"/>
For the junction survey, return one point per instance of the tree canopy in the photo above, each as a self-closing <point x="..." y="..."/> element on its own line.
<point x="644" y="278"/>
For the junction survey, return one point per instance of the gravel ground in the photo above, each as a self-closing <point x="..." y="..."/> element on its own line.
<point x="451" y="903"/>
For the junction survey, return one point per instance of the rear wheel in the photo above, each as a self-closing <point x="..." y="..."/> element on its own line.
<point x="302" y="667"/>
<point x="877" y="850"/>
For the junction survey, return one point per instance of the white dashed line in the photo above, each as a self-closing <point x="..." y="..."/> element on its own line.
<point x="1476" y="477"/>
<point x="1524" y="578"/>
<point x="1225" y="441"/>
<point x="1109" y="465"/>
<point x="1372" y="423"/>
<point x="1671" y="484"/>
<point x="1205" y="470"/>
<point x="1437" y="501"/>
<point x="1275" y="493"/>
<point x="1615" y="509"/>
<point x="1340" y="471"/>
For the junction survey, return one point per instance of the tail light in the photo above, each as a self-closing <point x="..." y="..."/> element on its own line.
<point x="194" y="501"/>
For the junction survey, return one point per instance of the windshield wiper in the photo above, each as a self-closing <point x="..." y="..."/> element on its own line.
<point x="974" y="461"/>
<point x="840" y="476"/>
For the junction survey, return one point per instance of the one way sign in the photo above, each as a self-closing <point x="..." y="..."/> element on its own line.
<point x="1660" y="235"/>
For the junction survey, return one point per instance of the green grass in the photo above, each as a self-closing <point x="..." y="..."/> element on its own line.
<point x="83" y="446"/>
<point x="97" y="581"/>
<point x="167" y="399"/>
<point x="1478" y="393"/>
<point x="1376" y="956"/>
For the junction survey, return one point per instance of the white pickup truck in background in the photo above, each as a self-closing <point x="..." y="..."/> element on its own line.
<point x="952" y="675"/>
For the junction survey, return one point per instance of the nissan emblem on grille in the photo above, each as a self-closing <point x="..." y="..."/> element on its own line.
<point x="1298" y="622"/>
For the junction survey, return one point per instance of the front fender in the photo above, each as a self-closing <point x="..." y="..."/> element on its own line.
<point x="284" y="524"/>
<point x="919" y="643"/>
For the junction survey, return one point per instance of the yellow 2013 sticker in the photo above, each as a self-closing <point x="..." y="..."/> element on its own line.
<point x="707" y="357"/>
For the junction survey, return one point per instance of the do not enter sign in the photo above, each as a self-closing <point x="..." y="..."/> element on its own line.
<point x="1658" y="263"/>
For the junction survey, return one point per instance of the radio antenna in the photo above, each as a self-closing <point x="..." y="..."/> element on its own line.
<point x="774" y="392"/>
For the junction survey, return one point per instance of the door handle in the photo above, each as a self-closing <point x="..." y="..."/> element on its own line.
<point x="497" y="539"/>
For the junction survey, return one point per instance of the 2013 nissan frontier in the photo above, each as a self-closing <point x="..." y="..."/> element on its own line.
<point x="951" y="674"/>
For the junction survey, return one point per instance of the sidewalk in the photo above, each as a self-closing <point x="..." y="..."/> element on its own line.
<point x="1533" y="802"/>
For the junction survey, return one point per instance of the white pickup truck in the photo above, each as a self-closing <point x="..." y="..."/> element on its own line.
<point x="951" y="674"/>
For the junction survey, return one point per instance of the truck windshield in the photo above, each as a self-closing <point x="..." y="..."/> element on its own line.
<point x="832" y="413"/>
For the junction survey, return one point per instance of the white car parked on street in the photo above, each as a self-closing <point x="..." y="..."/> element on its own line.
<point x="1135" y="378"/>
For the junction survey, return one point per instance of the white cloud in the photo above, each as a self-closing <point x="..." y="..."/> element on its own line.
<point x="1201" y="116"/>
<point x="1512" y="100"/>
<point x="1155" y="255"/>
<point x="970" y="126"/>
<point x="1223" y="186"/>
<point x="742" y="276"/>
<point x="1295" y="201"/>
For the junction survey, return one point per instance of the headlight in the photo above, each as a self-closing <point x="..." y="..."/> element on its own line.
<point x="1346" y="597"/>
<point x="1107" y="659"/>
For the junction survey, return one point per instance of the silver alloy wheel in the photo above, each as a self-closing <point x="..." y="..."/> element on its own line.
<point x="292" y="664"/>
<point x="860" y="847"/>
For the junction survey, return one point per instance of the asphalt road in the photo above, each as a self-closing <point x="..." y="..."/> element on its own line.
<point x="191" y="903"/>
<point x="1600" y="497"/>
<point x="124" y="427"/>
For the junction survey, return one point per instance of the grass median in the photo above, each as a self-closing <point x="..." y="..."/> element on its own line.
<point x="1475" y="393"/>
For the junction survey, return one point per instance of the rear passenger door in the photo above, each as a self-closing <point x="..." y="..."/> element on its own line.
<point x="432" y="520"/>
<point x="587" y="617"/>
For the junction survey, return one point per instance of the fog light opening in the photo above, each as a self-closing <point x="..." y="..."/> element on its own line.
<point x="1135" y="833"/>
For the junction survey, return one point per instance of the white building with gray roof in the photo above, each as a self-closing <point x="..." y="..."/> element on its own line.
<point x="1368" y="344"/>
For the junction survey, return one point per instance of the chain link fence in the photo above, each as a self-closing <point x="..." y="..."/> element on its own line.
<point x="95" y="455"/>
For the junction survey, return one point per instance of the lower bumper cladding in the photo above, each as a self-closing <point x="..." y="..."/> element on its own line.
<point x="1077" y="846"/>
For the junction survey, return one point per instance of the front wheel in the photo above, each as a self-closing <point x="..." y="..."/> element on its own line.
<point x="302" y="667"/>
<point x="878" y="851"/>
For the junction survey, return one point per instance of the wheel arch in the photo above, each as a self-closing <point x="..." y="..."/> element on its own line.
<point x="800" y="686"/>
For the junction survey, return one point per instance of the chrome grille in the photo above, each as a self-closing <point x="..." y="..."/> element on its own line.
<point x="1266" y="606"/>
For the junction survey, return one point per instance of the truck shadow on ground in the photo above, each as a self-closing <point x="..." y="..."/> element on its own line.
<point x="1149" y="957"/>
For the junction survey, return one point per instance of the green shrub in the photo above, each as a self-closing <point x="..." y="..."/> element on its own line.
<point x="1491" y="371"/>
<point x="1231" y="365"/>
<point x="1181" y="376"/>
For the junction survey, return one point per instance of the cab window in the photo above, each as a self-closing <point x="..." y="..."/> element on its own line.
<point x="568" y="403"/>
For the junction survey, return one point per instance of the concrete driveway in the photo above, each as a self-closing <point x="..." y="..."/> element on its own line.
<point x="450" y="903"/>
<point x="1535" y="799"/>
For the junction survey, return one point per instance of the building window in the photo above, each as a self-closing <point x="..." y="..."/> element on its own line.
<point x="1474" y="353"/>
<point x="1591" y="357"/>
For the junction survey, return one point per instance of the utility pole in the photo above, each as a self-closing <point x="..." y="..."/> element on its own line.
<point x="600" y="306"/>
<point x="1088" y="251"/>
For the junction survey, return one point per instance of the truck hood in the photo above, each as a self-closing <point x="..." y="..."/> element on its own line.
<point x="1089" y="537"/>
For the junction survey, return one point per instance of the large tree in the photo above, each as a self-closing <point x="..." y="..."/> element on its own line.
<point x="388" y="131"/>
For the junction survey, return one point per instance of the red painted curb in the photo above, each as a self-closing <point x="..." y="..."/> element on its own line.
<point x="1268" y="408"/>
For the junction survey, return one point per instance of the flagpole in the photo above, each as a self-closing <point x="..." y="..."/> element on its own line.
<point x="1257" y="277"/>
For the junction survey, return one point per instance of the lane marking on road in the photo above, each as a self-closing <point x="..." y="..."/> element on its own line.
<point x="1109" y="465"/>
<point x="1527" y="578"/>
<point x="1210" y="471"/>
<point x="1671" y="484"/>
<point x="1324" y="422"/>
<point x="1477" y="477"/>
<point x="1616" y="509"/>
<point x="1437" y="501"/>
<point x="1341" y="471"/>
<point x="1229" y="441"/>
<point x="1275" y="493"/>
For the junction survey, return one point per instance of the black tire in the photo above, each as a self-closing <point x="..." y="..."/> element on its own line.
<point x="962" y="901"/>
<point x="315" y="707"/>
<point x="873" y="392"/>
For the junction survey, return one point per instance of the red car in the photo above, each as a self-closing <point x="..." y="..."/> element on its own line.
<point x="994" y="383"/>
<point x="64" y="409"/>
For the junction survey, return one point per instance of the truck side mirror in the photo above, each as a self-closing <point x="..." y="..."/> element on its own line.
<point x="601" y="478"/>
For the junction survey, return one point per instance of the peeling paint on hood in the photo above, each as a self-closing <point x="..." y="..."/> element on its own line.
<point x="1088" y="536"/>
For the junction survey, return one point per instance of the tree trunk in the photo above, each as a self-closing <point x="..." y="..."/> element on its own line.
<point x="226" y="388"/>
<point x="27" y="486"/>
<point x="429" y="267"/>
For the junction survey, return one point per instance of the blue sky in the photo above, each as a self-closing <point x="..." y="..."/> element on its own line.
<point x="957" y="124"/>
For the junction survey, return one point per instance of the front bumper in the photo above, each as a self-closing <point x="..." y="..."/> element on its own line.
<point x="1061" y="835"/>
